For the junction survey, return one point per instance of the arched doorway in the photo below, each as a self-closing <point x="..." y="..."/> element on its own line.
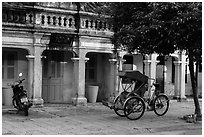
<point x="98" y="73"/>
<point x="161" y="72"/>
<point x="165" y="74"/>
<point x="14" y="61"/>
<point x="57" y="76"/>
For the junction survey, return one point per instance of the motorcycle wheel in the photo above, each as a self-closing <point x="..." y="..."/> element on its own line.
<point x="15" y="103"/>
<point x="26" y="111"/>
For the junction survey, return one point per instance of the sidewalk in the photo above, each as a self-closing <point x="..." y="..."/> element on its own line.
<point x="63" y="119"/>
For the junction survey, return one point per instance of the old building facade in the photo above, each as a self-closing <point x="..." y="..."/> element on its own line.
<point x="60" y="56"/>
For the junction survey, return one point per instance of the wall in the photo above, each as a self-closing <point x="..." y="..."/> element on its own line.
<point x="22" y="66"/>
<point x="189" y="91"/>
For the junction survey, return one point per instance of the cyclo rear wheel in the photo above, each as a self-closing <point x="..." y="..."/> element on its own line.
<point x="134" y="108"/>
<point x="161" y="105"/>
<point x="118" y="106"/>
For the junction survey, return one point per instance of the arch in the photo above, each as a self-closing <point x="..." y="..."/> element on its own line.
<point x="16" y="48"/>
<point x="74" y="54"/>
<point x="98" y="72"/>
<point x="175" y="56"/>
<point x="165" y="73"/>
<point x="14" y="61"/>
<point x="57" y="76"/>
<point x="29" y="49"/>
<point x="133" y="62"/>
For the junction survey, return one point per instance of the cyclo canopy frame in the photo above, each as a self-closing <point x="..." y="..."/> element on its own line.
<point x="135" y="78"/>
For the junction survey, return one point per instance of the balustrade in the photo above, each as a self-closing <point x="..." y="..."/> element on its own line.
<point x="95" y="25"/>
<point x="52" y="20"/>
<point x="88" y="25"/>
<point x="18" y="17"/>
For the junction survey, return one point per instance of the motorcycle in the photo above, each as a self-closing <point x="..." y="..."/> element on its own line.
<point x="20" y="100"/>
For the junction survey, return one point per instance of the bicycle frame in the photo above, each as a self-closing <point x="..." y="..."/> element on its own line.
<point x="152" y="96"/>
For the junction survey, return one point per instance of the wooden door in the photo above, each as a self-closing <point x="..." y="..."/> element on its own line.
<point x="53" y="78"/>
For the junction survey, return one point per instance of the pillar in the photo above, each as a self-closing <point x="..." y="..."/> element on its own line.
<point x="182" y="77"/>
<point x="113" y="79"/>
<point x="37" y="74"/>
<point x="79" y="98"/>
<point x="40" y="40"/>
<point x="153" y="66"/>
<point x="120" y="68"/>
<point x="30" y="75"/>
<point x="179" y="80"/>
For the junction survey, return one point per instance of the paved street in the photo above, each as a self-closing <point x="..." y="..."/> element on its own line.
<point x="96" y="119"/>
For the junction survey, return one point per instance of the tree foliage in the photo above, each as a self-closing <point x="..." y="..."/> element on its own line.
<point x="158" y="27"/>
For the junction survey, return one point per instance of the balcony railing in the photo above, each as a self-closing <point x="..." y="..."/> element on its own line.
<point x="58" y="20"/>
<point x="21" y="18"/>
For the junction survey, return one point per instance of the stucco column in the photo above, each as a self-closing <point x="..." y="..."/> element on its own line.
<point x="30" y="75"/>
<point x="113" y="79"/>
<point x="37" y="74"/>
<point x="182" y="78"/>
<point x="147" y="67"/>
<point x="79" y="98"/>
<point x="179" y="80"/>
<point x="120" y="68"/>
<point x="40" y="40"/>
<point x="153" y="66"/>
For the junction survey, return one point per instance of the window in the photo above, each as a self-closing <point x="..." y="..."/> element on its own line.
<point x="91" y="67"/>
<point x="9" y="65"/>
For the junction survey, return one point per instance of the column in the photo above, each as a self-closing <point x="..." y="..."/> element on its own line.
<point x="182" y="78"/>
<point x="37" y="74"/>
<point x="79" y="98"/>
<point x="153" y="66"/>
<point x="30" y="75"/>
<point x="113" y="78"/>
<point x="177" y="80"/>
<point x="147" y="67"/>
<point x="40" y="41"/>
<point x="120" y="68"/>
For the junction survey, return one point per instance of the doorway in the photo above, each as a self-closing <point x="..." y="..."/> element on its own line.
<point x="53" y="69"/>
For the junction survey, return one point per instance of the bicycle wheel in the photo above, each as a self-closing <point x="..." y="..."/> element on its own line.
<point x="134" y="108"/>
<point x="161" y="105"/>
<point x="118" y="107"/>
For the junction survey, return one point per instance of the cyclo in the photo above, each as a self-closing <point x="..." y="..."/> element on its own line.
<point x="131" y="102"/>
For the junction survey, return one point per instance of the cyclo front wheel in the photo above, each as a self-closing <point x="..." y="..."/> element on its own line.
<point x="134" y="108"/>
<point x="118" y="107"/>
<point x="161" y="105"/>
